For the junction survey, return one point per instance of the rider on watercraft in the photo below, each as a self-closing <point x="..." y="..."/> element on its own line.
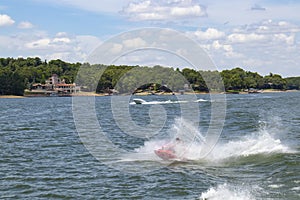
<point x="172" y="150"/>
<point x="172" y="146"/>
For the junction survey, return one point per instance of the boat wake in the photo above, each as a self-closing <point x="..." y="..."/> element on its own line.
<point x="142" y="101"/>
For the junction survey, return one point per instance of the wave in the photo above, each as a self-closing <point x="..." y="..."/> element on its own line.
<point x="227" y="192"/>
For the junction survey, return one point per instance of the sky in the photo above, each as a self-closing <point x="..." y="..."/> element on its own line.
<point x="257" y="35"/>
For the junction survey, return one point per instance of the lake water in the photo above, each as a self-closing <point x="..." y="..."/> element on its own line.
<point x="44" y="156"/>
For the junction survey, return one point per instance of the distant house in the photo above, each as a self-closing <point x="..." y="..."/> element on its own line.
<point x="54" y="86"/>
<point x="54" y="83"/>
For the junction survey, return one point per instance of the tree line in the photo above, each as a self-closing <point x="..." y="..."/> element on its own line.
<point x="21" y="73"/>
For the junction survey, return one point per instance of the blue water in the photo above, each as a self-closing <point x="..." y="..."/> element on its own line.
<point x="43" y="156"/>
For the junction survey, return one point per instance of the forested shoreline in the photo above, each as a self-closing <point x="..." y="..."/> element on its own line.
<point x="19" y="74"/>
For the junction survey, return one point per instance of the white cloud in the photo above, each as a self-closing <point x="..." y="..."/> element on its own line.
<point x="246" y="38"/>
<point x="265" y="46"/>
<point x="267" y="32"/>
<point x="234" y="55"/>
<point x="39" y="44"/>
<point x="138" y="7"/>
<point x="239" y="12"/>
<point x="224" y="49"/>
<point x="216" y="45"/>
<point x="116" y="48"/>
<point x="272" y="27"/>
<point x="164" y="10"/>
<point x="195" y="10"/>
<point x="6" y="20"/>
<point x="61" y="40"/>
<point x="58" y="55"/>
<point x="87" y="43"/>
<point x="283" y="23"/>
<point x="61" y="34"/>
<point x="289" y="40"/>
<point x="152" y="57"/>
<point x="209" y="34"/>
<point x="68" y="48"/>
<point x="25" y="25"/>
<point x="134" y="43"/>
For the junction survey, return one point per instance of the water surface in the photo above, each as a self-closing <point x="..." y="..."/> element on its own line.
<point x="257" y="156"/>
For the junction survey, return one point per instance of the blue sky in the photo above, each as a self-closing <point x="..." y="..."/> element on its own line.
<point x="257" y="35"/>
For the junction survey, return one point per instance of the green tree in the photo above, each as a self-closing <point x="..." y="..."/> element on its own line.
<point x="11" y="83"/>
<point x="274" y="81"/>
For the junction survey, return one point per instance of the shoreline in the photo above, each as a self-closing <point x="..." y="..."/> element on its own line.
<point x="83" y="94"/>
<point x="11" y="97"/>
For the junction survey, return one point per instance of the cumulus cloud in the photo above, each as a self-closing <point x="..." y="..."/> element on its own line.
<point x="60" y="46"/>
<point x="288" y="39"/>
<point x="261" y="46"/>
<point x="221" y="49"/>
<point x="61" y="40"/>
<point x="6" y="20"/>
<point x="163" y="10"/>
<point x="116" y="48"/>
<point x="216" y="45"/>
<point x="134" y="43"/>
<point x="245" y="38"/>
<point x="209" y="34"/>
<point x="268" y="31"/>
<point x="268" y="27"/>
<point x="61" y="34"/>
<point x="25" y="25"/>
<point x="39" y="44"/>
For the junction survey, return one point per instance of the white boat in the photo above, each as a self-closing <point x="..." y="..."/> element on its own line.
<point x="139" y="101"/>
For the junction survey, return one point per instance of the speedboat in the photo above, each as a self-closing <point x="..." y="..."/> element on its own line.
<point x="139" y="101"/>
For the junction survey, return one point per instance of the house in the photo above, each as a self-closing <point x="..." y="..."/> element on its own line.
<point x="53" y="86"/>
<point x="66" y="88"/>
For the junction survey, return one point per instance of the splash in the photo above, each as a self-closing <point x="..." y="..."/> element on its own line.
<point x="261" y="142"/>
<point x="266" y="141"/>
<point x="186" y="131"/>
<point x="227" y="192"/>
